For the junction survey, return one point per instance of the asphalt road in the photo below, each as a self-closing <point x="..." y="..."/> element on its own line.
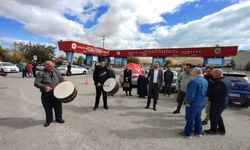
<point x="125" y="126"/>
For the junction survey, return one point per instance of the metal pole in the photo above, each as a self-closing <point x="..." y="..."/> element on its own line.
<point x="103" y="39"/>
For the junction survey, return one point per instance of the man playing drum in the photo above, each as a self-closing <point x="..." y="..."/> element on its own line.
<point x="46" y="80"/>
<point x="101" y="74"/>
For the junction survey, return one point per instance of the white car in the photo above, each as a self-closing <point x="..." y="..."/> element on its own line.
<point x="75" y="69"/>
<point x="8" y="67"/>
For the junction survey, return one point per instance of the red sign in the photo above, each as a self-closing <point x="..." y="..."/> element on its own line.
<point x="217" y="51"/>
<point x="221" y="51"/>
<point x="71" y="46"/>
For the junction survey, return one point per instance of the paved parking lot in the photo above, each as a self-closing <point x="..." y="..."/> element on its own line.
<point x="125" y="126"/>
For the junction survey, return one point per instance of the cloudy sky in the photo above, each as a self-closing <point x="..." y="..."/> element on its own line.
<point x="127" y="23"/>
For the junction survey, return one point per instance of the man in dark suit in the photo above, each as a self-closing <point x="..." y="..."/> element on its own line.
<point x="155" y="84"/>
<point x="101" y="74"/>
<point x="168" y="79"/>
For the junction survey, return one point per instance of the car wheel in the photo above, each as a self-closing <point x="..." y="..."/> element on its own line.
<point x="84" y="72"/>
<point x="245" y="102"/>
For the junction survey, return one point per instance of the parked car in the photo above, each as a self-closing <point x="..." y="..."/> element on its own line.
<point x="75" y="69"/>
<point x="85" y="66"/>
<point x="8" y="67"/>
<point x="39" y="67"/>
<point x="240" y="90"/>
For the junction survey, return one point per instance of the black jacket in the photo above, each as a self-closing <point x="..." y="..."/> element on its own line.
<point x="210" y="81"/>
<point x="219" y="91"/>
<point x="111" y="73"/>
<point x="101" y="75"/>
<point x="127" y="74"/>
<point x="168" y="76"/>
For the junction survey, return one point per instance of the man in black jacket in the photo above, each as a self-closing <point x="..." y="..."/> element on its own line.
<point x="218" y="96"/>
<point x="168" y="79"/>
<point x="101" y="74"/>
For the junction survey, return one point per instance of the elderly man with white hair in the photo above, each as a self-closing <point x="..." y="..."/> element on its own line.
<point x="195" y="96"/>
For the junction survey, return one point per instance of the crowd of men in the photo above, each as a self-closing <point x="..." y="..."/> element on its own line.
<point x="198" y="89"/>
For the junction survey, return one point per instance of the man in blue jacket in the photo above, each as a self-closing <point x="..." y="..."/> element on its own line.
<point x="195" y="96"/>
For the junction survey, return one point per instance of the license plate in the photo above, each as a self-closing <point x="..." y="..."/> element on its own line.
<point x="234" y="95"/>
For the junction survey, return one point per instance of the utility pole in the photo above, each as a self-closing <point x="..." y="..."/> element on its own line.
<point x="103" y="39"/>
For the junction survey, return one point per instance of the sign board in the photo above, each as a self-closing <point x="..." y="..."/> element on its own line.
<point x="216" y="51"/>
<point x="71" y="46"/>
<point x="35" y="57"/>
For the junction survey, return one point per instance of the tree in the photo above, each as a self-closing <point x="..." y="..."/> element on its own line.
<point x="43" y="52"/>
<point x="80" y="60"/>
<point x="168" y="62"/>
<point x="134" y="60"/>
<point x="4" y="54"/>
<point x="248" y="66"/>
<point x="16" y="56"/>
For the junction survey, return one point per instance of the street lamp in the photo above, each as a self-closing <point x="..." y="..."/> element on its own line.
<point x="103" y="39"/>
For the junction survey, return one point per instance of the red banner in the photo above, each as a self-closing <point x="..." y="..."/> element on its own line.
<point x="71" y="46"/>
<point x="221" y="51"/>
<point x="217" y="51"/>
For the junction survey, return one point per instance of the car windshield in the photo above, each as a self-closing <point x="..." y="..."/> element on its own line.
<point x="236" y="77"/>
<point x="7" y="64"/>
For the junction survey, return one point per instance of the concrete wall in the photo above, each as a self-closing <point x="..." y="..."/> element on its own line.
<point x="241" y="59"/>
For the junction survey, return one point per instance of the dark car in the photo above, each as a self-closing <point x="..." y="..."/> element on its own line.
<point x="240" y="90"/>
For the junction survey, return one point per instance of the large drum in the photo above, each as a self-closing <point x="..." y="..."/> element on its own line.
<point x="65" y="92"/>
<point x="111" y="86"/>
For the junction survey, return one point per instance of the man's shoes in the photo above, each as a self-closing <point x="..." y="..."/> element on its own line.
<point x="106" y="107"/>
<point x="46" y="124"/>
<point x="154" y="109"/>
<point x="130" y="95"/>
<point x="210" y="132"/>
<point x="204" y="122"/>
<point x="221" y="132"/>
<point x="200" y="135"/>
<point x="95" y="108"/>
<point x="60" y="120"/>
<point x="176" y="112"/>
<point x="184" y="135"/>
<point x="147" y="107"/>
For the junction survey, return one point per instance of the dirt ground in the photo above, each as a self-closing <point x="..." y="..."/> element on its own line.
<point x="125" y="126"/>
